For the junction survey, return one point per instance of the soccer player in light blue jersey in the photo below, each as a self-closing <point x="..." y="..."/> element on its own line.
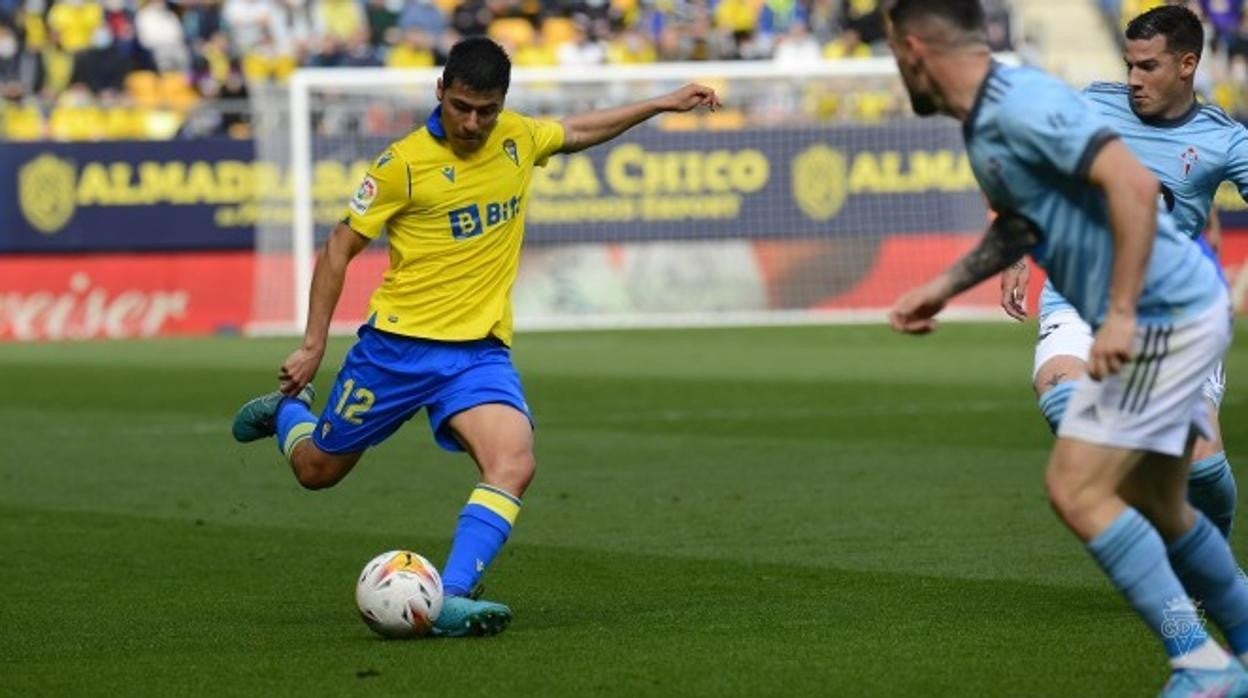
<point x="1191" y="149"/>
<point x="1069" y="193"/>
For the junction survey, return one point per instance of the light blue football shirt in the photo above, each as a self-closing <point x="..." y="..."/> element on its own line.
<point x="1191" y="157"/>
<point x="1031" y="140"/>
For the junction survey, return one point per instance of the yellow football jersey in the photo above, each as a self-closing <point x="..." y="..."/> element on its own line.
<point x="454" y="226"/>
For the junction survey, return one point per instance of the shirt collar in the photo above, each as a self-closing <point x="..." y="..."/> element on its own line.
<point x="1180" y="120"/>
<point x="434" y="123"/>
<point x="968" y="126"/>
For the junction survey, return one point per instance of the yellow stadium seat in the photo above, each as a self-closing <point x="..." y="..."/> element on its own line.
<point x="176" y="92"/>
<point x="678" y="121"/>
<point x="557" y="31"/>
<point x="512" y="30"/>
<point x="535" y="56"/>
<point x="725" y="120"/>
<point x="142" y="86"/>
<point x="85" y="123"/>
<point x="123" y="123"/>
<point x="23" y="123"/>
<point x="873" y="106"/>
<point x="160" y="124"/>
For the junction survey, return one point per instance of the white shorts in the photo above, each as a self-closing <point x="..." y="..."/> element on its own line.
<point x="1064" y="333"/>
<point x="1154" y="402"/>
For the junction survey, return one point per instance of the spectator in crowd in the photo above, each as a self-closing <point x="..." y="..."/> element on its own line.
<point x="201" y="19"/>
<point x="102" y="66"/>
<point x="74" y="23"/>
<point x="342" y="20"/>
<point x="423" y="15"/>
<point x="631" y="47"/>
<point x="848" y="45"/>
<point x="738" y="19"/>
<point x="472" y="17"/>
<point x="250" y="21"/>
<point x="160" y="32"/>
<point x="864" y="17"/>
<point x="414" y="49"/>
<point x="797" y="47"/>
<point x="380" y="16"/>
<point x="583" y="50"/>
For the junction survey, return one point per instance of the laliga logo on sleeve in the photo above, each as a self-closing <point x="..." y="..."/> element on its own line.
<point x="364" y="195"/>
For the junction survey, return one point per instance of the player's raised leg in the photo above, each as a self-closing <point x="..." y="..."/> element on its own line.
<point x="292" y="421"/>
<point x="499" y="437"/>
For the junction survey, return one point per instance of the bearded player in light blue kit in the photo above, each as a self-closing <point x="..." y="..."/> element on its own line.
<point x="1191" y="149"/>
<point x="1071" y="195"/>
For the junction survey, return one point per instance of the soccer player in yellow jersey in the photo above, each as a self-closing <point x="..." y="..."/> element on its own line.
<point x="452" y="197"/>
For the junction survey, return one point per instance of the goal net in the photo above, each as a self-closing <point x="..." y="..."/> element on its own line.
<point x="811" y="197"/>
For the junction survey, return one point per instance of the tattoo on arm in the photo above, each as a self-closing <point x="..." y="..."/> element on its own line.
<point x="1006" y="241"/>
<point x="1057" y="378"/>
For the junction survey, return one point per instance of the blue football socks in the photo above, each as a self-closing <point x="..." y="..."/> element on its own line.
<point x="1133" y="556"/>
<point x="1053" y="403"/>
<point x="1211" y="489"/>
<point x="1203" y="561"/>
<point x="484" y="524"/>
<point x="295" y="422"/>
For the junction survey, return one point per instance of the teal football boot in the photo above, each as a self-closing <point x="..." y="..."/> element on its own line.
<point x="463" y="616"/>
<point x="257" y="418"/>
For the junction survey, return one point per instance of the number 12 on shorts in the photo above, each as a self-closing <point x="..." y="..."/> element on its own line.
<point x="354" y="402"/>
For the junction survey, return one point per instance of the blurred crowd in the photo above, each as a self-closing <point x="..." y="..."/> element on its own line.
<point x="87" y="70"/>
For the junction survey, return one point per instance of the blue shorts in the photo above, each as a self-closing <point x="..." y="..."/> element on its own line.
<point x="388" y="378"/>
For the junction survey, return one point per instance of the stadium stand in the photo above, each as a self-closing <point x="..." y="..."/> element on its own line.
<point x="154" y="69"/>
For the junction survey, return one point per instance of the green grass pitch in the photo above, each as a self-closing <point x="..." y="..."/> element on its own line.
<point x="796" y="511"/>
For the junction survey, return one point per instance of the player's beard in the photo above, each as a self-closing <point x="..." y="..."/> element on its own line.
<point x="923" y="103"/>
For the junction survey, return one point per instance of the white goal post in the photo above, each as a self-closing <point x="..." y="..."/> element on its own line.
<point x="812" y="197"/>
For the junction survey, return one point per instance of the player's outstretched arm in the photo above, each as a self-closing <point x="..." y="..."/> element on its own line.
<point x="327" y="279"/>
<point x="1007" y="239"/>
<point x="1131" y="196"/>
<point x="581" y="131"/>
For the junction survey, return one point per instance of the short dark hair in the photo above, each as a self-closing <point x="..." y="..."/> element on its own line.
<point x="479" y="63"/>
<point x="967" y="15"/>
<point x="1180" y="26"/>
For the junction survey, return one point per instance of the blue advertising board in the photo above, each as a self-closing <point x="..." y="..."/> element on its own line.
<point x="910" y="177"/>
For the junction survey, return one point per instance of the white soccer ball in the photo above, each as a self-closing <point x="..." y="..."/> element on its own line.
<point x="399" y="594"/>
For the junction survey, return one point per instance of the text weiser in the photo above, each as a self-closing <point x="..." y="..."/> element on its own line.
<point x="121" y="296"/>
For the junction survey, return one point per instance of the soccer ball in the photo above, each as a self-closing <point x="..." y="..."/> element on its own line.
<point x="399" y="594"/>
